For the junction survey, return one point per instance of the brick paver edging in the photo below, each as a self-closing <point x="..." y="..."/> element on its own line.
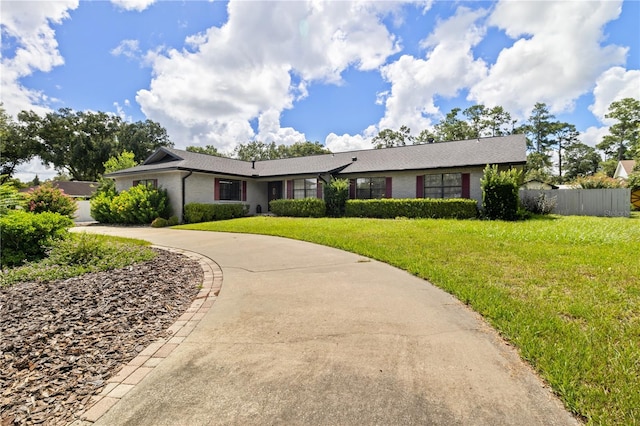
<point x="136" y="369"/>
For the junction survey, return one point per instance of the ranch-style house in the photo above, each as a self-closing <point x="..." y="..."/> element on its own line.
<point x="434" y="170"/>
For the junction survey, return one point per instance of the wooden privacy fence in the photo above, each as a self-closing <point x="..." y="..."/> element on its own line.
<point x="586" y="202"/>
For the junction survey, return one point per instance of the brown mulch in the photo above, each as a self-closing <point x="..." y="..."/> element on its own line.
<point x="61" y="341"/>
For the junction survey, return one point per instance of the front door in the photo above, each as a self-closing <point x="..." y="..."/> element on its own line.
<point x="275" y="191"/>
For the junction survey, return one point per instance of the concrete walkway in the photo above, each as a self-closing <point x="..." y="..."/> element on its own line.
<point x="303" y="334"/>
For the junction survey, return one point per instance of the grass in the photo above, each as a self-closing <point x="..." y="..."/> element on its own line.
<point x="564" y="290"/>
<point x="80" y="253"/>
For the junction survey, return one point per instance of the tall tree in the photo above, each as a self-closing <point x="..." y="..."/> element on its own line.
<point x="565" y="134"/>
<point x="425" y="136"/>
<point x="624" y="136"/>
<point x="476" y="119"/>
<point x="302" y="149"/>
<point x="498" y="122"/>
<point x="388" y="138"/>
<point x="538" y="167"/>
<point x="142" y="138"/>
<point x="124" y="160"/>
<point x="15" y="147"/>
<point x="256" y="150"/>
<point x="209" y="150"/>
<point x="539" y="128"/>
<point x="580" y="160"/>
<point x="76" y="142"/>
<point x="451" y="128"/>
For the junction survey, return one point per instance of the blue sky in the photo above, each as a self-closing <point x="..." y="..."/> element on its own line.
<point x="335" y="72"/>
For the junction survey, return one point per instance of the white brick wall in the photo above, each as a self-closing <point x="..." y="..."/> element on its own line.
<point x="199" y="187"/>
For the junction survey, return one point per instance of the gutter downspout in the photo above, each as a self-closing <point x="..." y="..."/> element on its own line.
<point x="184" y="178"/>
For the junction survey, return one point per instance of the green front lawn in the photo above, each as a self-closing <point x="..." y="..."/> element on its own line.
<point x="564" y="290"/>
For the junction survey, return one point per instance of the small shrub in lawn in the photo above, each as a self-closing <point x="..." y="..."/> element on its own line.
<point x="78" y="254"/>
<point x="26" y="236"/>
<point x="173" y="221"/>
<point x="47" y="198"/>
<point x="304" y="207"/>
<point x="500" y="193"/>
<point x="201" y="212"/>
<point x="540" y="204"/>
<point x="159" y="222"/>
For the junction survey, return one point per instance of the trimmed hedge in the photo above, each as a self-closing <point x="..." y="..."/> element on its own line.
<point x="200" y="212"/>
<point x="305" y="207"/>
<point x="389" y="208"/>
<point x="27" y="236"/>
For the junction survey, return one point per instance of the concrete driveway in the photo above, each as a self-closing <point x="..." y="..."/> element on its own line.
<point x="303" y="334"/>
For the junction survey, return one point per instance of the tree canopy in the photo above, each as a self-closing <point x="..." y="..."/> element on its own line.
<point x="257" y="150"/>
<point x="623" y="140"/>
<point x="77" y="143"/>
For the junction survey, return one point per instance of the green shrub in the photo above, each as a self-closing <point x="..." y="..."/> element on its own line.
<point x="390" y="208"/>
<point x="173" y="221"/>
<point x="305" y="207"/>
<point x="336" y="194"/>
<point x="10" y="198"/>
<point x="633" y="182"/>
<point x="201" y="212"/>
<point x="597" y="181"/>
<point x="540" y="204"/>
<point x="101" y="207"/>
<point x="78" y="254"/>
<point x="159" y="222"/>
<point x="26" y="236"/>
<point x="140" y="204"/>
<point x="500" y="193"/>
<point x="47" y="198"/>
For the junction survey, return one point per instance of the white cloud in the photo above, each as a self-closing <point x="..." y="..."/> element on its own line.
<point x="593" y="135"/>
<point x="137" y="5"/>
<point x="128" y="48"/>
<point x="337" y="143"/>
<point x="27" y="171"/>
<point x="30" y="29"/>
<point x="557" y="55"/>
<point x="258" y="64"/>
<point x="269" y="130"/>
<point x="449" y="66"/>
<point x="614" y="84"/>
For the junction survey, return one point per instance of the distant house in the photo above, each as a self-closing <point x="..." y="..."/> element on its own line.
<point x="537" y="184"/>
<point x="624" y="169"/>
<point x="80" y="190"/>
<point x="436" y="170"/>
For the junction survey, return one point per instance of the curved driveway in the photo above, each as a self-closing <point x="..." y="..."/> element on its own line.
<point x="303" y="334"/>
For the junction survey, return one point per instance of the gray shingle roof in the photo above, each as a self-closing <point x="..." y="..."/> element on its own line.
<point x="474" y="152"/>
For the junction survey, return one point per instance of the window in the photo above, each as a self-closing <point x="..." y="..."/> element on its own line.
<point x="446" y="185"/>
<point x="369" y="188"/>
<point x="153" y="183"/>
<point x="230" y="190"/>
<point x="305" y="188"/>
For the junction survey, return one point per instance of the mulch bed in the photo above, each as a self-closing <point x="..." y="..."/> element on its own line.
<point x="61" y="341"/>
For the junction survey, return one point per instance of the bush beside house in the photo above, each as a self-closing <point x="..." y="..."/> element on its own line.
<point x="413" y="208"/>
<point x="305" y="207"/>
<point x="140" y="204"/>
<point x="500" y="193"/>
<point x="201" y="212"/>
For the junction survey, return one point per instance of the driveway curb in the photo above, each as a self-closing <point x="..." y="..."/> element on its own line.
<point x="135" y="370"/>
